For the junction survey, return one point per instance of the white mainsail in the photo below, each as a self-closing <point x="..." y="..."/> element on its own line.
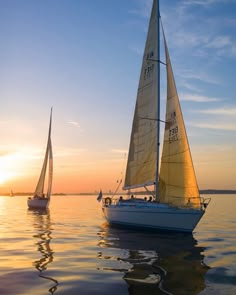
<point x="177" y="177"/>
<point x="48" y="157"/>
<point x="141" y="165"/>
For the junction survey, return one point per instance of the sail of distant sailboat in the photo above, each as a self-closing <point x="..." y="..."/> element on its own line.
<point x="40" y="199"/>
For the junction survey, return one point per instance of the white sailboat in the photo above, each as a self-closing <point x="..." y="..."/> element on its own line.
<point x="176" y="204"/>
<point x="41" y="200"/>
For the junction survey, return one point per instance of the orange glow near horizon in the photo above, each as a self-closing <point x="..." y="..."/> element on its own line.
<point x="78" y="172"/>
<point x="21" y="171"/>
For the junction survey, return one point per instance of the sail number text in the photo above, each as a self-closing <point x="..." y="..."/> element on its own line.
<point x="173" y="134"/>
<point x="148" y="71"/>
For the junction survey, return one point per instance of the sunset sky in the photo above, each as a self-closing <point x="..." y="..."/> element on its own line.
<point x="83" y="58"/>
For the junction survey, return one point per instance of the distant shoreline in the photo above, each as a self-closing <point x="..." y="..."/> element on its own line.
<point x="205" y="192"/>
<point x="213" y="191"/>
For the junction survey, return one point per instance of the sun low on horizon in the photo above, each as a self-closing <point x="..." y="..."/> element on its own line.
<point x="20" y="168"/>
<point x="7" y="172"/>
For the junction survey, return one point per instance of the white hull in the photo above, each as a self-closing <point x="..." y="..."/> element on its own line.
<point x="153" y="217"/>
<point x="38" y="203"/>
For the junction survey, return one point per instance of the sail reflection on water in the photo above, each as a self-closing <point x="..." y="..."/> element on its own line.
<point x="155" y="263"/>
<point x="42" y="224"/>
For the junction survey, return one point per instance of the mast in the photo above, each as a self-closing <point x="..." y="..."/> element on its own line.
<point x="158" y="99"/>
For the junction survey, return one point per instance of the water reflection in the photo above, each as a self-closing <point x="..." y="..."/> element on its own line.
<point x="42" y="224"/>
<point x="156" y="263"/>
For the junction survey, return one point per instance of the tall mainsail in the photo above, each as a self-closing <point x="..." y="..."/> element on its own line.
<point x="40" y="185"/>
<point x="142" y="159"/>
<point x="177" y="177"/>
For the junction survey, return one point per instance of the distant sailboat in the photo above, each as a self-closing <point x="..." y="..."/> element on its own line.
<point x="40" y="199"/>
<point x="175" y="204"/>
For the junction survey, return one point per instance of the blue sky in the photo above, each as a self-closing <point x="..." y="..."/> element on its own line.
<point x="83" y="57"/>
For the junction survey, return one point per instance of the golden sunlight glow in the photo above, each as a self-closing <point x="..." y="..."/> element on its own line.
<point x="4" y="176"/>
<point x="5" y="173"/>
<point x="11" y="166"/>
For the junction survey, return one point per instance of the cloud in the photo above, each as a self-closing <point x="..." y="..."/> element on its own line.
<point x="74" y="123"/>
<point x="220" y="111"/>
<point x="197" y="98"/>
<point x="226" y="127"/>
<point x="189" y="86"/>
<point x="220" y="42"/>
<point x="223" y="46"/>
<point x="204" y="77"/>
<point x="187" y="3"/>
<point x="203" y="43"/>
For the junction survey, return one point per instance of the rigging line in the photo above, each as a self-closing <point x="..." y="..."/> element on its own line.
<point x="120" y="181"/>
<point x="123" y="164"/>
<point x="116" y="189"/>
<point x="152" y="119"/>
<point x="156" y="60"/>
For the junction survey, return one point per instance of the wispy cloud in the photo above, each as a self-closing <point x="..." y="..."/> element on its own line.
<point x="200" y="76"/>
<point x="220" y="42"/>
<point x="74" y="123"/>
<point x="223" y="45"/>
<point x="189" y="86"/>
<point x="187" y="3"/>
<point x="197" y="98"/>
<point x="203" y="43"/>
<point x="226" y="127"/>
<point x="220" y="111"/>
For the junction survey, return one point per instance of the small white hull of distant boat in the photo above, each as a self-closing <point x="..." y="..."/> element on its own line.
<point x="35" y="203"/>
<point x="153" y="217"/>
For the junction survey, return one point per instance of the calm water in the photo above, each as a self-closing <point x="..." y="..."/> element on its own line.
<point x="71" y="250"/>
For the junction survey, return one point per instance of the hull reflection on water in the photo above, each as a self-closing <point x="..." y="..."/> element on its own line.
<point x="42" y="224"/>
<point x="157" y="263"/>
